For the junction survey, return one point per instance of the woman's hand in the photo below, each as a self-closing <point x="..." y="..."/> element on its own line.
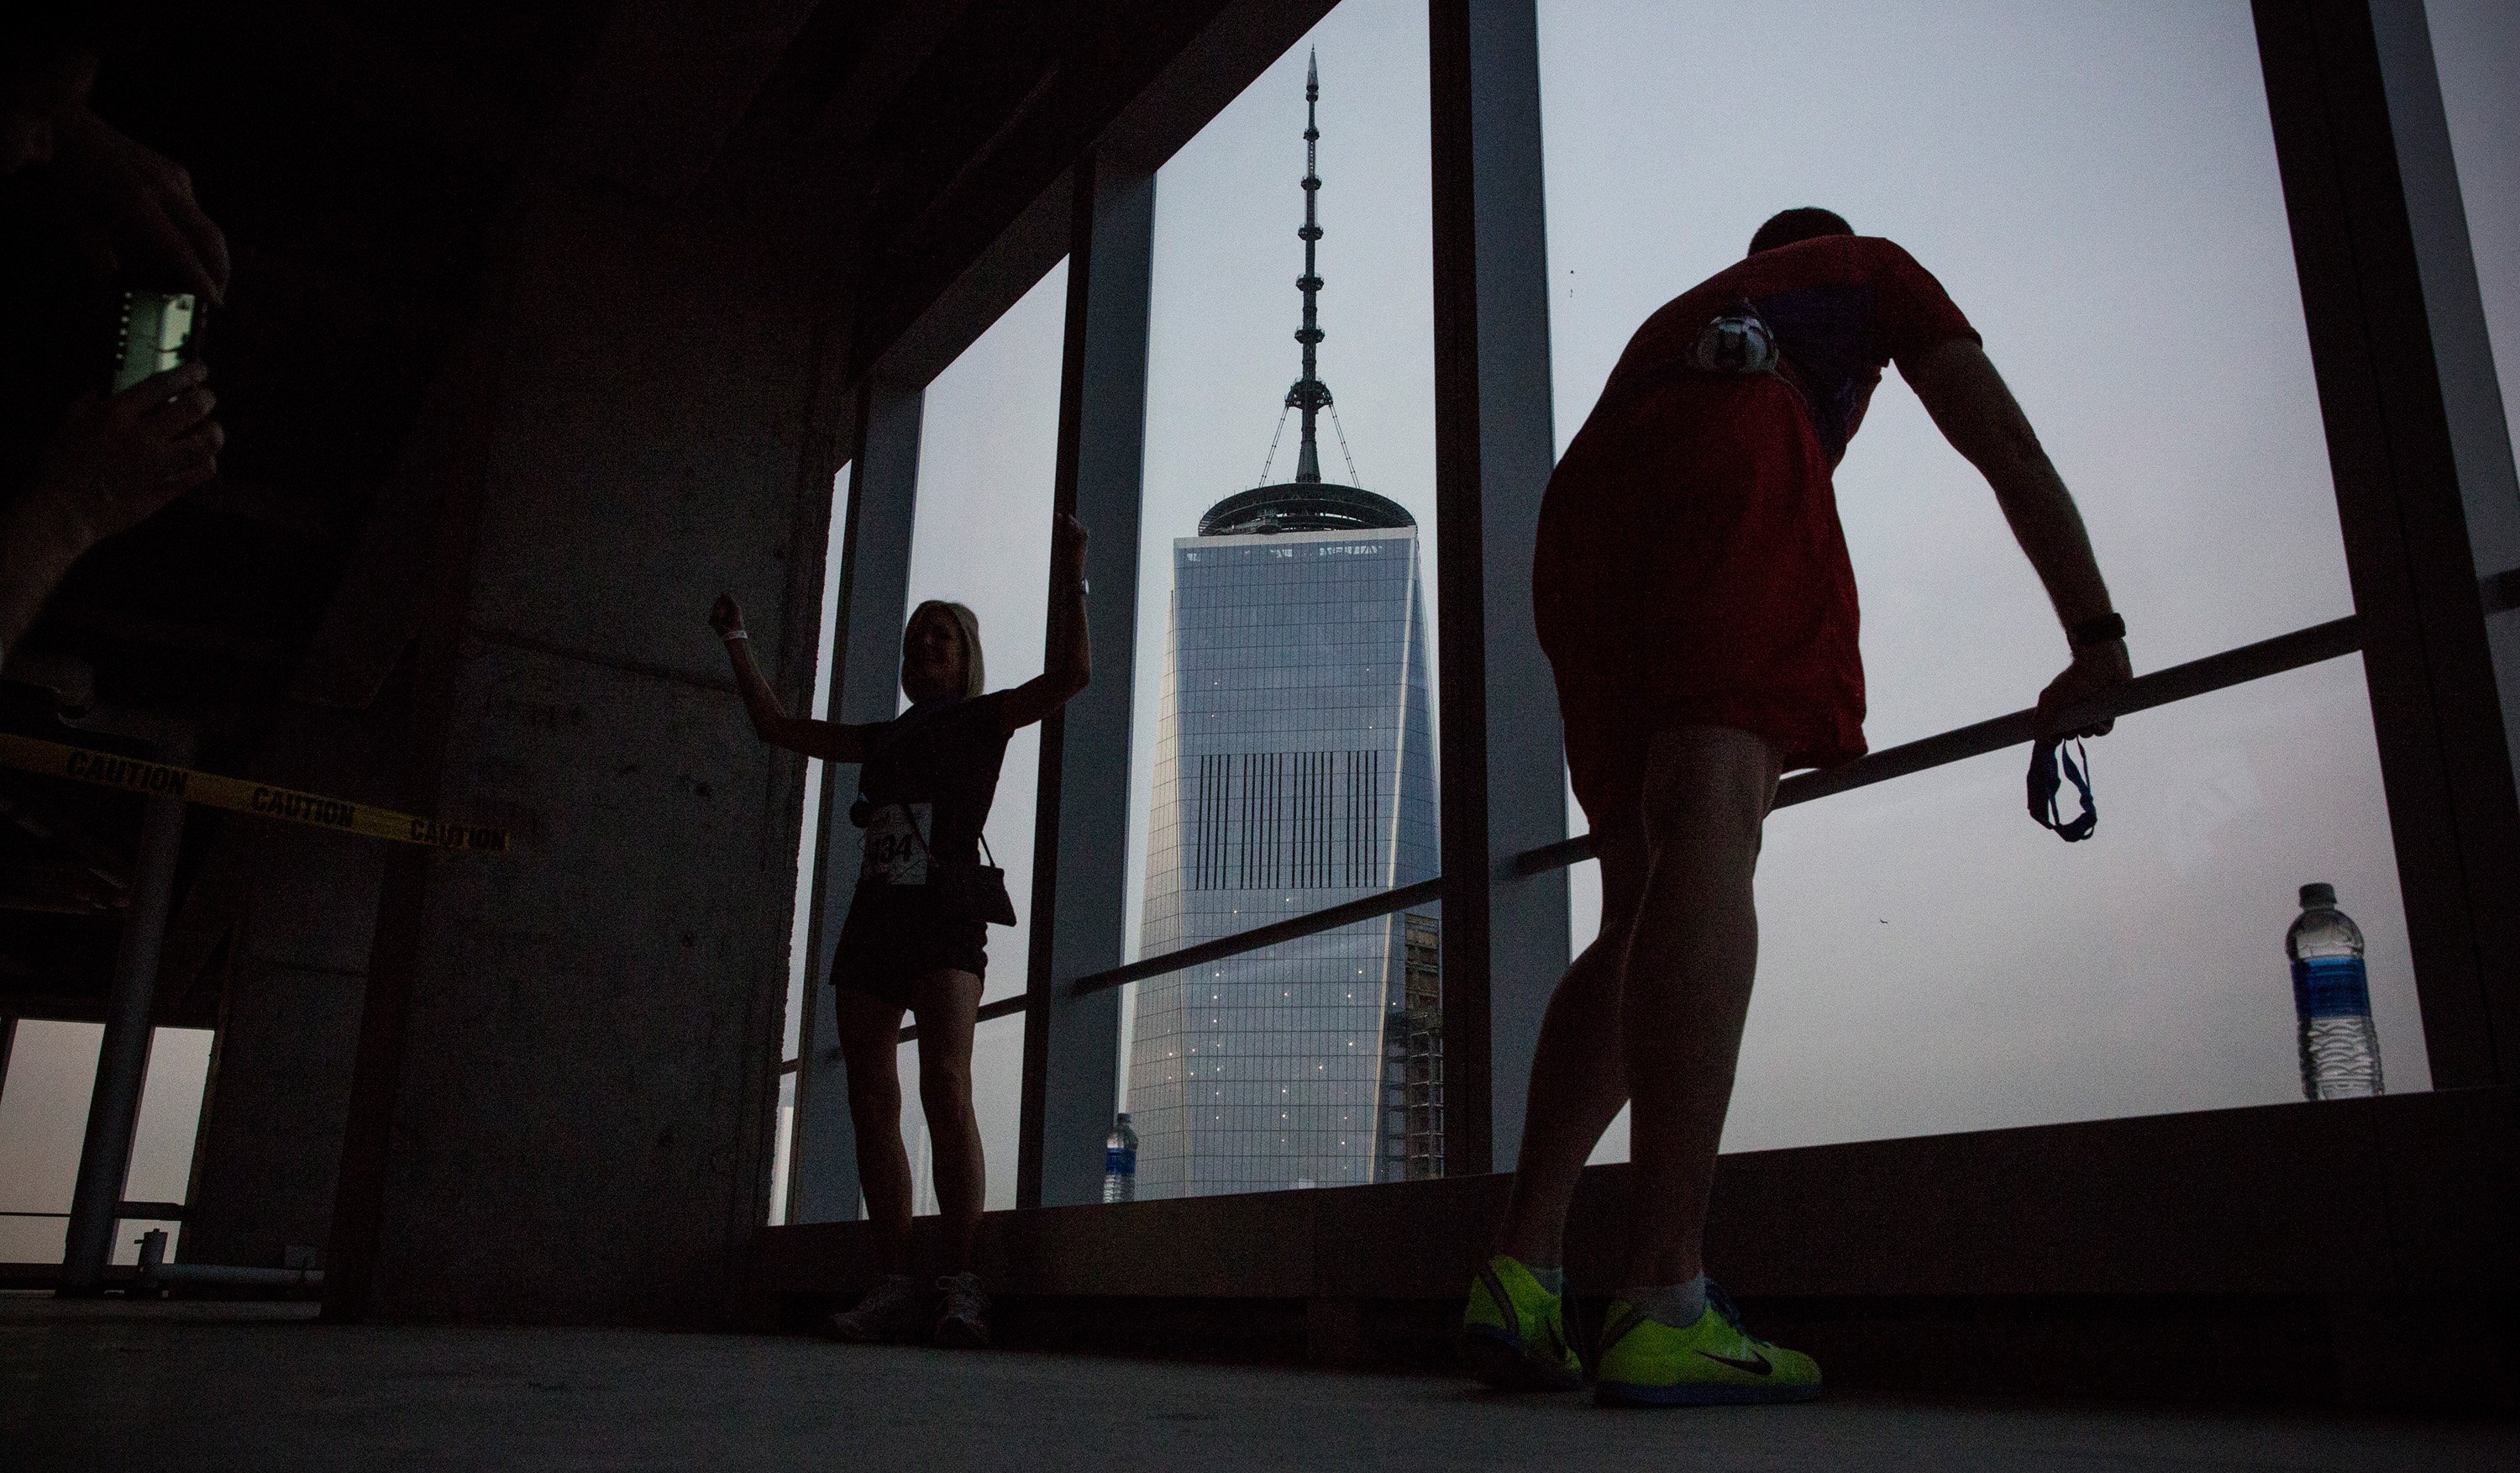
<point x="726" y="616"/>
<point x="2096" y="668"/>
<point x="1067" y="550"/>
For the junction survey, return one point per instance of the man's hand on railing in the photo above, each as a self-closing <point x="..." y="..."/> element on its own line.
<point x="2096" y="669"/>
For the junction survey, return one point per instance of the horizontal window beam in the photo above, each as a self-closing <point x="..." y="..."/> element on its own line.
<point x="136" y="1212"/>
<point x="2251" y="662"/>
<point x="1001" y="1008"/>
<point x="1330" y="918"/>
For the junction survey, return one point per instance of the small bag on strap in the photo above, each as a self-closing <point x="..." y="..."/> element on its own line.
<point x="969" y="889"/>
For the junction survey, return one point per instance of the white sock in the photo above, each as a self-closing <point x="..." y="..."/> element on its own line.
<point x="1678" y="1306"/>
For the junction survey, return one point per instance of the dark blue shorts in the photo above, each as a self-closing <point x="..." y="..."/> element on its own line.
<point x="896" y="934"/>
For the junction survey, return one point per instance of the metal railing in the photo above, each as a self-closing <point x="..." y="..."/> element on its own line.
<point x="1001" y="1008"/>
<point x="123" y="1211"/>
<point x="2251" y="662"/>
<point x="2238" y="667"/>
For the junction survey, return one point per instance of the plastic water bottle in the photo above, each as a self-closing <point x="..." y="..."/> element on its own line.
<point x="2340" y="1051"/>
<point x="1120" y="1162"/>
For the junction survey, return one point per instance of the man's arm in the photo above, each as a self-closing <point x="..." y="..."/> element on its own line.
<point x="832" y="741"/>
<point x="147" y="198"/>
<point x="1071" y="651"/>
<point x="1976" y="411"/>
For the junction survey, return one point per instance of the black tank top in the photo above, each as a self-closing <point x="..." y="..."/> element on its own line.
<point x="934" y="768"/>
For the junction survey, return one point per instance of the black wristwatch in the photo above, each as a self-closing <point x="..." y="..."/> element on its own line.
<point x="2103" y="629"/>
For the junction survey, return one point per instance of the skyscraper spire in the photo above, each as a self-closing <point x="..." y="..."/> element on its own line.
<point x="1310" y="395"/>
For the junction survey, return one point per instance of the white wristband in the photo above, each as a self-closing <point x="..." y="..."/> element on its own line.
<point x="738" y="634"/>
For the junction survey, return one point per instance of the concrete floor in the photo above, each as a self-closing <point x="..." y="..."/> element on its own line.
<point x="111" y="1385"/>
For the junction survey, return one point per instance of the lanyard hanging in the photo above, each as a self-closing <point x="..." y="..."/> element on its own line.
<point x="2046" y="757"/>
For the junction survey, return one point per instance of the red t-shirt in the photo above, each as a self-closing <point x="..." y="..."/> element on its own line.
<point x="1841" y="306"/>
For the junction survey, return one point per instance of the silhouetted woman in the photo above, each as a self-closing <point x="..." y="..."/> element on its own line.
<point x="915" y="938"/>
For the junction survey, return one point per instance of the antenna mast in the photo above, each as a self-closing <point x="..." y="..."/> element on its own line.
<point x="1310" y="395"/>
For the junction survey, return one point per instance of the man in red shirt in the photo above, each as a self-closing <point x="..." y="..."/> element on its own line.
<point x="1697" y="604"/>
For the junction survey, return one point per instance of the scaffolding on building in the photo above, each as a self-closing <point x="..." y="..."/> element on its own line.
<point x="1413" y="1059"/>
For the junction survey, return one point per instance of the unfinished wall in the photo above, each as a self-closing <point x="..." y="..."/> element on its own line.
<point x="298" y="906"/>
<point x="582" y="1118"/>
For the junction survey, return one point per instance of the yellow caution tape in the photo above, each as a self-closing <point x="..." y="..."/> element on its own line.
<point x="132" y="775"/>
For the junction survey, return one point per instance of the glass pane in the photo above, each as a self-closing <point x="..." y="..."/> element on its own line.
<point x="43" y="1127"/>
<point x="2476" y="47"/>
<point x="997" y="1098"/>
<point x="2096" y="186"/>
<point x="809" y="833"/>
<point x="988" y="455"/>
<point x="1930" y="960"/>
<point x="161" y="1144"/>
<point x="782" y="1145"/>
<point x="1284" y="757"/>
<point x="43" y="1120"/>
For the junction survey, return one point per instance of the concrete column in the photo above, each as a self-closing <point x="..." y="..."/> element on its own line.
<point x="1504" y="776"/>
<point x="866" y="686"/>
<point x="1080" y="874"/>
<point x="2424" y="488"/>
<point x="123" y="1055"/>
<point x="569" y="1055"/>
<point x="299" y="905"/>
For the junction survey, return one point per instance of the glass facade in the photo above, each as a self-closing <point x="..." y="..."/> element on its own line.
<point x="1294" y="769"/>
<point x="1933" y="963"/>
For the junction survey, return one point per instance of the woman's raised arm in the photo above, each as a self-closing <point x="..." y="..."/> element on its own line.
<point x="831" y="741"/>
<point x="1071" y="651"/>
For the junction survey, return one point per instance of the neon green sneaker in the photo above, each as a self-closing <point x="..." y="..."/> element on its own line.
<point x="1713" y="1363"/>
<point x="1513" y="1334"/>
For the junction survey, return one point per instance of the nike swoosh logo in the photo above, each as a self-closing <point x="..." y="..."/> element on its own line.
<point x="1757" y="1365"/>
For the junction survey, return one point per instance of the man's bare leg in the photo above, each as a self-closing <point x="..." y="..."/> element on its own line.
<point x="1692" y="951"/>
<point x="1578" y="1079"/>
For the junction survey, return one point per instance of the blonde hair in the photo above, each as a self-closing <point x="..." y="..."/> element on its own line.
<point x="975" y="677"/>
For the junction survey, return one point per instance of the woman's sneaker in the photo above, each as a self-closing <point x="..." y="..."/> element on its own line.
<point x="965" y="1325"/>
<point x="891" y="1312"/>
<point x="1646" y="1362"/>
<point x="1513" y="1334"/>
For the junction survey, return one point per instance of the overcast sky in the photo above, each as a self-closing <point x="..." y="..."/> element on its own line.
<point x="2094" y="183"/>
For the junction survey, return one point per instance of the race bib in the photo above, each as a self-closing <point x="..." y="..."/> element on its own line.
<point x="895" y="850"/>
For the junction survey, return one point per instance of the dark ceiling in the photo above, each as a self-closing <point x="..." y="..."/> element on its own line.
<point x="363" y="160"/>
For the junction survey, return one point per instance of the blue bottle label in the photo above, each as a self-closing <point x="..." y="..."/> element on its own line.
<point x="2331" y="987"/>
<point x="1119" y="1161"/>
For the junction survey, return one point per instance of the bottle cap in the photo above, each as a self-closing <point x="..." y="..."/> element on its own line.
<point x="2315" y="896"/>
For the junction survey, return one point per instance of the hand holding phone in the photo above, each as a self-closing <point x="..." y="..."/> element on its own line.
<point x="159" y="330"/>
<point x="119" y="459"/>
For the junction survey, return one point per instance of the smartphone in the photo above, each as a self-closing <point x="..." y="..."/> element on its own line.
<point x="159" y="331"/>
